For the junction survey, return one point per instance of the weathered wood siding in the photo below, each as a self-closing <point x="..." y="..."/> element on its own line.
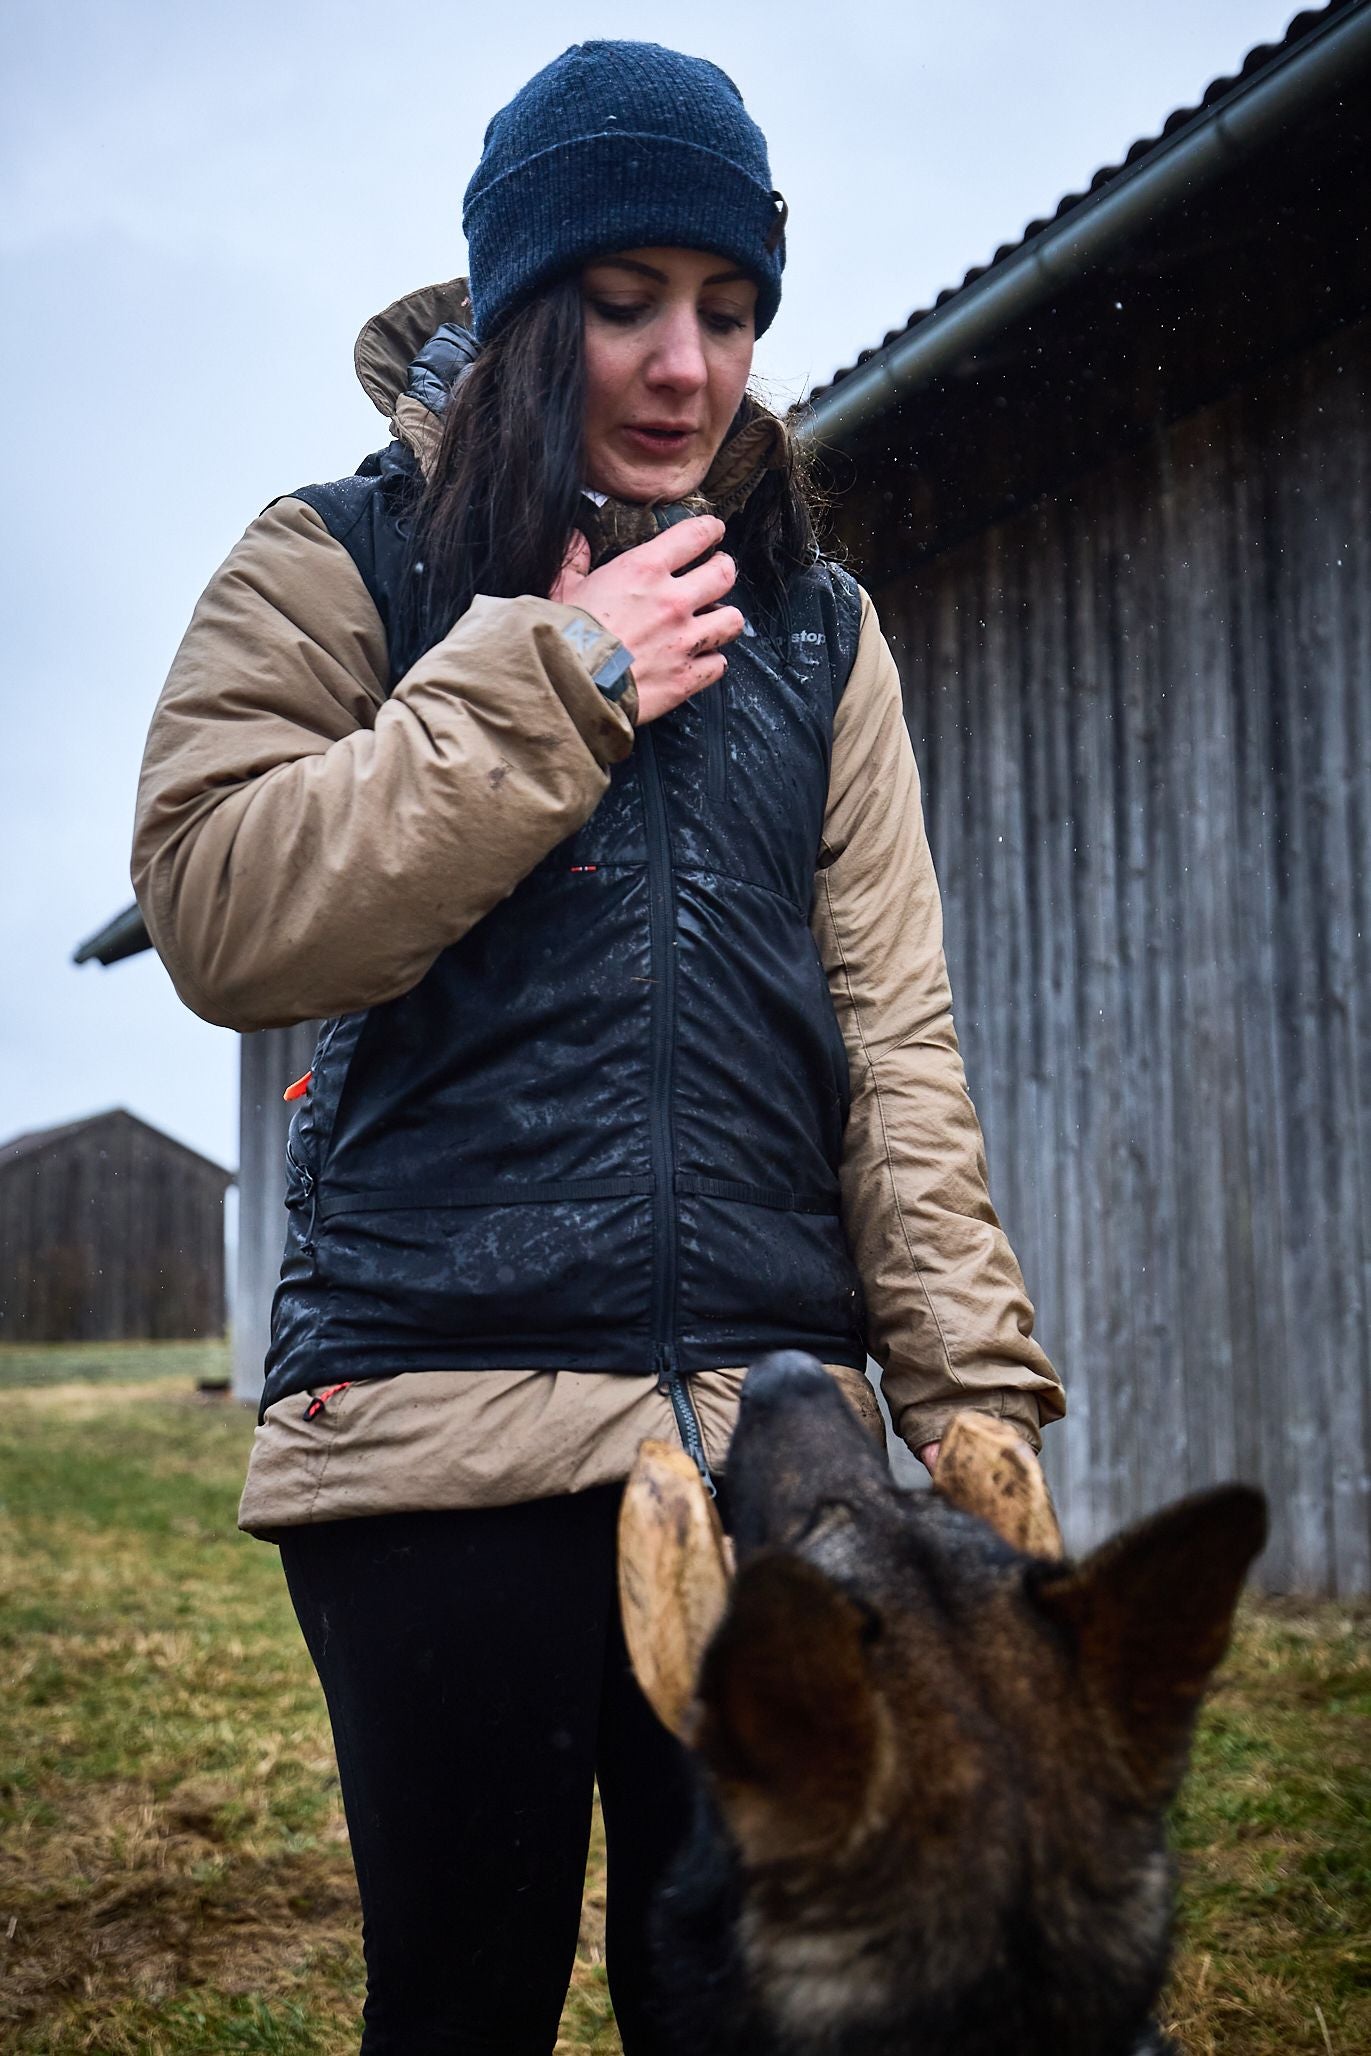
<point x="1143" y="716"/>
<point x="269" y="1061"/>
<point x="110" y="1231"/>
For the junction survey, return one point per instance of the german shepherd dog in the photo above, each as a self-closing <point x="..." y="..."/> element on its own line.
<point x="935" y="1762"/>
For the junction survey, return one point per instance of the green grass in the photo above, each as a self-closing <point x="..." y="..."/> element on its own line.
<point x="1274" y="1829"/>
<point x="173" y="1861"/>
<point x="174" y="1874"/>
<point x="109" y="1363"/>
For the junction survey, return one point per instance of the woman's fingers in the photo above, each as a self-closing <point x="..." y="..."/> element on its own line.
<point x="708" y="582"/>
<point x="701" y="677"/>
<point x="676" y="547"/>
<point x="721" y="625"/>
<point x="691" y="589"/>
<point x="704" y="670"/>
<point x="668" y="617"/>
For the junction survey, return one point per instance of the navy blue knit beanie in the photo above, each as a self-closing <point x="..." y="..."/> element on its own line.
<point x="619" y="146"/>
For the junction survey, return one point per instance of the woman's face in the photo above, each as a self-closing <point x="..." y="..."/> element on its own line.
<point x="668" y="350"/>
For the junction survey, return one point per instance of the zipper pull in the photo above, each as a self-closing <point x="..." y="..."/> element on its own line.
<point x="319" y="1400"/>
<point x="298" y="1089"/>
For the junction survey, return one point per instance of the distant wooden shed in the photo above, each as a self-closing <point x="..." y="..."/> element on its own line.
<point x="109" y="1231"/>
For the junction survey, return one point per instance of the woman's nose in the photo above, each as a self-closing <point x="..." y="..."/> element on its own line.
<point x="678" y="361"/>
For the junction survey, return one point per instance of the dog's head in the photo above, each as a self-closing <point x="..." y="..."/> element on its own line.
<point x="936" y="1757"/>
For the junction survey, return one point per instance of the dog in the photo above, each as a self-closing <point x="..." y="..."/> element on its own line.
<point x="935" y="1759"/>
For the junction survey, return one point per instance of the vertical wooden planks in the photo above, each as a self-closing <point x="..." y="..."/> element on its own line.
<point x="1350" y="578"/>
<point x="1324" y="469"/>
<point x="1156" y="688"/>
<point x="270" y="1060"/>
<point x="109" y="1231"/>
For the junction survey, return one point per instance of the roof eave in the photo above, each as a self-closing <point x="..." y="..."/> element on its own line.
<point x="1095" y="229"/>
<point x="125" y="936"/>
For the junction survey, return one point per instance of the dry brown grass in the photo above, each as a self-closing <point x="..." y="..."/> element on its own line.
<point x="174" y="1870"/>
<point x="174" y="1874"/>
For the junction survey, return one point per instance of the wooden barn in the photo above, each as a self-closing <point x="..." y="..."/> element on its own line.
<point x="1111" y="498"/>
<point x="110" y="1231"/>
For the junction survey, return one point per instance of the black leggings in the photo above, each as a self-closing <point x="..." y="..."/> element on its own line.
<point x="477" y="1683"/>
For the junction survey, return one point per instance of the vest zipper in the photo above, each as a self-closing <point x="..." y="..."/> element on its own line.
<point x="674" y="1383"/>
<point x="670" y="1379"/>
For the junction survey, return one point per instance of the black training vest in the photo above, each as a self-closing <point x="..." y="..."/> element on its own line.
<point x="603" y="1131"/>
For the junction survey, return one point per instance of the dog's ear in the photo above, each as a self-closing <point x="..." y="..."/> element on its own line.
<point x="673" y="1577"/>
<point x="1151" y="1613"/>
<point x="787" y="1721"/>
<point x="986" y="1469"/>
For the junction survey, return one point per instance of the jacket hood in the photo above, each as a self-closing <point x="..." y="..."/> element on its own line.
<point x="392" y="339"/>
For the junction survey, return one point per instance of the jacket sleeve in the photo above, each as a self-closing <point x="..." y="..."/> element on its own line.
<point x="950" y="1322"/>
<point x="305" y="845"/>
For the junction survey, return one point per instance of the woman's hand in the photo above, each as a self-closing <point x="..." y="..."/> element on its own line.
<point x="667" y="616"/>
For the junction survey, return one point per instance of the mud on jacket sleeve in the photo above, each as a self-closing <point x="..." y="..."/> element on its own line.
<point x="306" y="845"/>
<point x="950" y="1322"/>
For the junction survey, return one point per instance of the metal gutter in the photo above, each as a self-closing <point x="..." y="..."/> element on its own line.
<point x="1061" y="254"/>
<point x="124" y="936"/>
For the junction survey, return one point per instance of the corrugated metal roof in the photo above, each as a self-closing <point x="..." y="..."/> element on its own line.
<point x="1260" y="59"/>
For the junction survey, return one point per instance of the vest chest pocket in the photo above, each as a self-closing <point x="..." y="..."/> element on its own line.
<point x="302" y="1191"/>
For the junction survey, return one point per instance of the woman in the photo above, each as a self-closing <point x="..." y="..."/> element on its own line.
<point x="638" y="1056"/>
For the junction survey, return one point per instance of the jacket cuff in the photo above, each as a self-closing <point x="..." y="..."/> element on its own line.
<point x="919" y="1425"/>
<point x="607" y="721"/>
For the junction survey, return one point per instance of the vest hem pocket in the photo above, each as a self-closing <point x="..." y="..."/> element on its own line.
<point x="453" y="1198"/>
<point x="779" y="1198"/>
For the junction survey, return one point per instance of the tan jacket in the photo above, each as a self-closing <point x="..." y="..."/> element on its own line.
<point x="309" y="836"/>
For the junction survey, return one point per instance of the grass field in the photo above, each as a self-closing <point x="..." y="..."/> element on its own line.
<point x="173" y="1867"/>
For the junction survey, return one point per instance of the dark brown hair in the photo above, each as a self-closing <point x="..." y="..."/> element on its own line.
<point x="499" y="504"/>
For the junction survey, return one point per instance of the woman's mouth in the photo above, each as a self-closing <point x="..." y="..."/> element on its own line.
<point x="658" y="439"/>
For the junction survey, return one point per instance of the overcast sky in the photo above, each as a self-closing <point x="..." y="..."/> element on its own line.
<point x="200" y="204"/>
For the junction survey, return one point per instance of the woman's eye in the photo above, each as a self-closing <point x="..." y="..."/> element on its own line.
<point x="611" y="310"/>
<point x="725" y="324"/>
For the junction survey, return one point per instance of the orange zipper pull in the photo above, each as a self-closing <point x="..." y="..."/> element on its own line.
<point x="319" y="1400"/>
<point x="299" y="1088"/>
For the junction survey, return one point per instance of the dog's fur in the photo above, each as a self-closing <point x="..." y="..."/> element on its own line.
<point x="935" y="1769"/>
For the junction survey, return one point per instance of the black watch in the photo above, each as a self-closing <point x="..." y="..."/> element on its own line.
<point x="614" y="674"/>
